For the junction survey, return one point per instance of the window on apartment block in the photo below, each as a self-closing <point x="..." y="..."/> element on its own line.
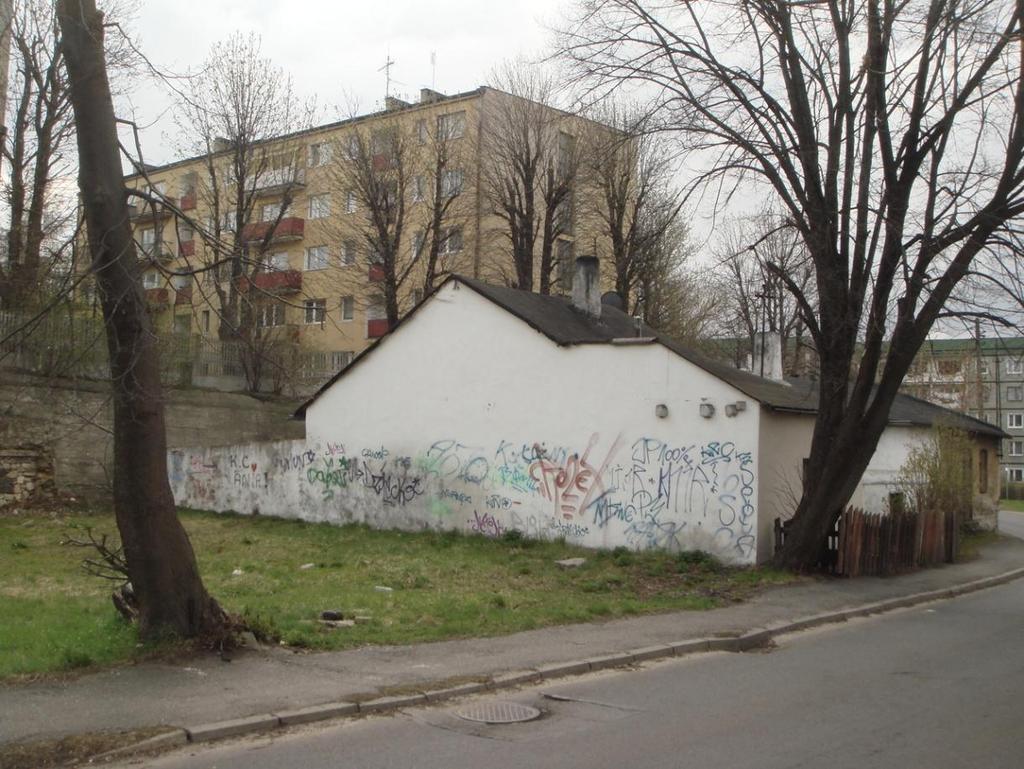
<point x="319" y="154"/>
<point x="1015" y="474"/>
<point x="351" y="204"/>
<point x="341" y="358"/>
<point x="352" y="147"/>
<point x="181" y="281"/>
<point x="451" y="183"/>
<point x="151" y="279"/>
<point x="1015" y="420"/>
<point x="270" y="212"/>
<point x="204" y="321"/>
<point x="278" y="262"/>
<point x="317" y="258"/>
<point x="1016" y="448"/>
<point x="421" y="131"/>
<point x="319" y="206"/>
<point x="419" y="189"/>
<point x="315" y="310"/>
<point x="983" y="367"/>
<point x="451" y="126"/>
<point x="228" y="221"/>
<point x="452" y="242"/>
<point x="1014" y="366"/>
<point x="565" y="256"/>
<point x="270" y="314"/>
<point x="417" y="244"/>
<point x="147" y="238"/>
<point x="349" y="254"/>
<point x="185" y="233"/>
<point x="1015" y="393"/>
<point x="348" y="307"/>
<point x="949" y="366"/>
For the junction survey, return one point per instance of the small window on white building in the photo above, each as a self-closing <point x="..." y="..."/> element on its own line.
<point x="1016" y="448"/>
<point x="317" y="258"/>
<point x="348" y="307"/>
<point x="1015" y="393"/>
<point x="1014" y="366"/>
<point x="315" y="310"/>
<point x="319" y="206"/>
<point x="1014" y="420"/>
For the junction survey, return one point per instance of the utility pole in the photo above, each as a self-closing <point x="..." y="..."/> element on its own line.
<point x="6" y="22"/>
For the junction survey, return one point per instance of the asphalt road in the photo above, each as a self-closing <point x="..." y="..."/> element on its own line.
<point x="938" y="686"/>
<point x="1011" y="523"/>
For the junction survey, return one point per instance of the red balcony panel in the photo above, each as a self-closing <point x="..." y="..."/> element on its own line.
<point x="188" y="202"/>
<point x="376" y="273"/>
<point x="157" y="296"/>
<point x="281" y="282"/>
<point x="289" y="228"/>
<point x="376" y="328"/>
<point x="183" y="295"/>
<point x="187" y="248"/>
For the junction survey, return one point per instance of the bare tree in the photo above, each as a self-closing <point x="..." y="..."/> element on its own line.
<point x="891" y="135"/>
<point x="234" y="114"/>
<point x="529" y="172"/>
<point x="635" y="200"/>
<point x="751" y="255"/>
<point x="38" y="130"/>
<point x="160" y="561"/>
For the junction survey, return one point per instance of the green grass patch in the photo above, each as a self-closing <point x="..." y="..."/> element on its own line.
<point x="443" y="585"/>
<point x="1016" y="505"/>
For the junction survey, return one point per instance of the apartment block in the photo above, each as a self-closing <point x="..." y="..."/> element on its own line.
<point x="290" y="250"/>
<point x="983" y="377"/>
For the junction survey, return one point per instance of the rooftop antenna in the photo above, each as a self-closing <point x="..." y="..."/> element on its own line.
<point x="433" y="70"/>
<point x="386" y="69"/>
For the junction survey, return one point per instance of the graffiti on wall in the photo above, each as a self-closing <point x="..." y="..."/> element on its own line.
<point x="651" y="493"/>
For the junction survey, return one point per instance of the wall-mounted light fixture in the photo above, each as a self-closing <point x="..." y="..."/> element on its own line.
<point x="707" y="410"/>
<point x="732" y="409"/>
<point x="661" y="411"/>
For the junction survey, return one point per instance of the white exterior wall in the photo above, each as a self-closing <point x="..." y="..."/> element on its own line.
<point x="879" y="479"/>
<point x="467" y="418"/>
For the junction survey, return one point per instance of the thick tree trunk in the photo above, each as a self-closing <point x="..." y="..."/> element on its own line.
<point x="161" y="564"/>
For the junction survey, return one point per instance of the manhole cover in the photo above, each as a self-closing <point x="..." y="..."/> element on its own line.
<point x="498" y="713"/>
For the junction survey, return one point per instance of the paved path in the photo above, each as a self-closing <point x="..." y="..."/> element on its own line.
<point x="208" y="689"/>
<point x="936" y="686"/>
<point x="1011" y="523"/>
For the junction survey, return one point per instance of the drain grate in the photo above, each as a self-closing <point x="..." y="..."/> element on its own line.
<point x="498" y="713"/>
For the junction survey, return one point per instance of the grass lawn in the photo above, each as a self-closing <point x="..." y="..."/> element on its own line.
<point x="57" y="618"/>
<point x="1017" y="505"/>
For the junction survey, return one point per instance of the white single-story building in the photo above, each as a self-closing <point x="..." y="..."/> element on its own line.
<point x="489" y="409"/>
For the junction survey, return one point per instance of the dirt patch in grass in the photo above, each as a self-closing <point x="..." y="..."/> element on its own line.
<point x="280" y="575"/>
<point x="70" y="751"/>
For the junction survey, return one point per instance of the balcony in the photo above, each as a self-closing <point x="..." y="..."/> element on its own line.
<point x="187" y="202"/>
<point x="277" y="180"/>
<point x="376" y="274"/>
<point x="277" y="282"/>
<point x="187" y="248"/>
<point x="183" y="295"/>
<point x="289" y="228"/>
<point x="376" y="328"/>
<point x="145" y="210"/>
<point x="157" y="297"/>
<point x="155" y="252"/>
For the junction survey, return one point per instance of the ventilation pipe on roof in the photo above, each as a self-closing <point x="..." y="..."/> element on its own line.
<point x="767" y="358"/>
<point x="586" y="286"/>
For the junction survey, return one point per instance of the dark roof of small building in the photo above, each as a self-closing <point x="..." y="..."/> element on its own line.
<point x="556" y="318"/>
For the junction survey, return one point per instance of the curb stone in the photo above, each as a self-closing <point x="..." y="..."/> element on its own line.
<point x="172" y="739"/>
<point x="752" y="639"/>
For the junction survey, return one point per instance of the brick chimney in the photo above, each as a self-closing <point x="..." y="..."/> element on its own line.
<point x="766" y="360"/>
<point x="586" y="286"/>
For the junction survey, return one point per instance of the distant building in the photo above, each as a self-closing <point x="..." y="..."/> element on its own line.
<point x="984" y="378"/>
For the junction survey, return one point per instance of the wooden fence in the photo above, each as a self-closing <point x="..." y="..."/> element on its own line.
<point x="875" y="544"/>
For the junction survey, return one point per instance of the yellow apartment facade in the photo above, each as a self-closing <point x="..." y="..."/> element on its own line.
<point x="332" y="233"/>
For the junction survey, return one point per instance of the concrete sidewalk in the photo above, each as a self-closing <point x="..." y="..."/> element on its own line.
<point x="209" y="689"/>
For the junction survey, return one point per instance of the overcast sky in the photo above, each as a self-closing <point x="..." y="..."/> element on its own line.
<point x="335" y="49"/>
